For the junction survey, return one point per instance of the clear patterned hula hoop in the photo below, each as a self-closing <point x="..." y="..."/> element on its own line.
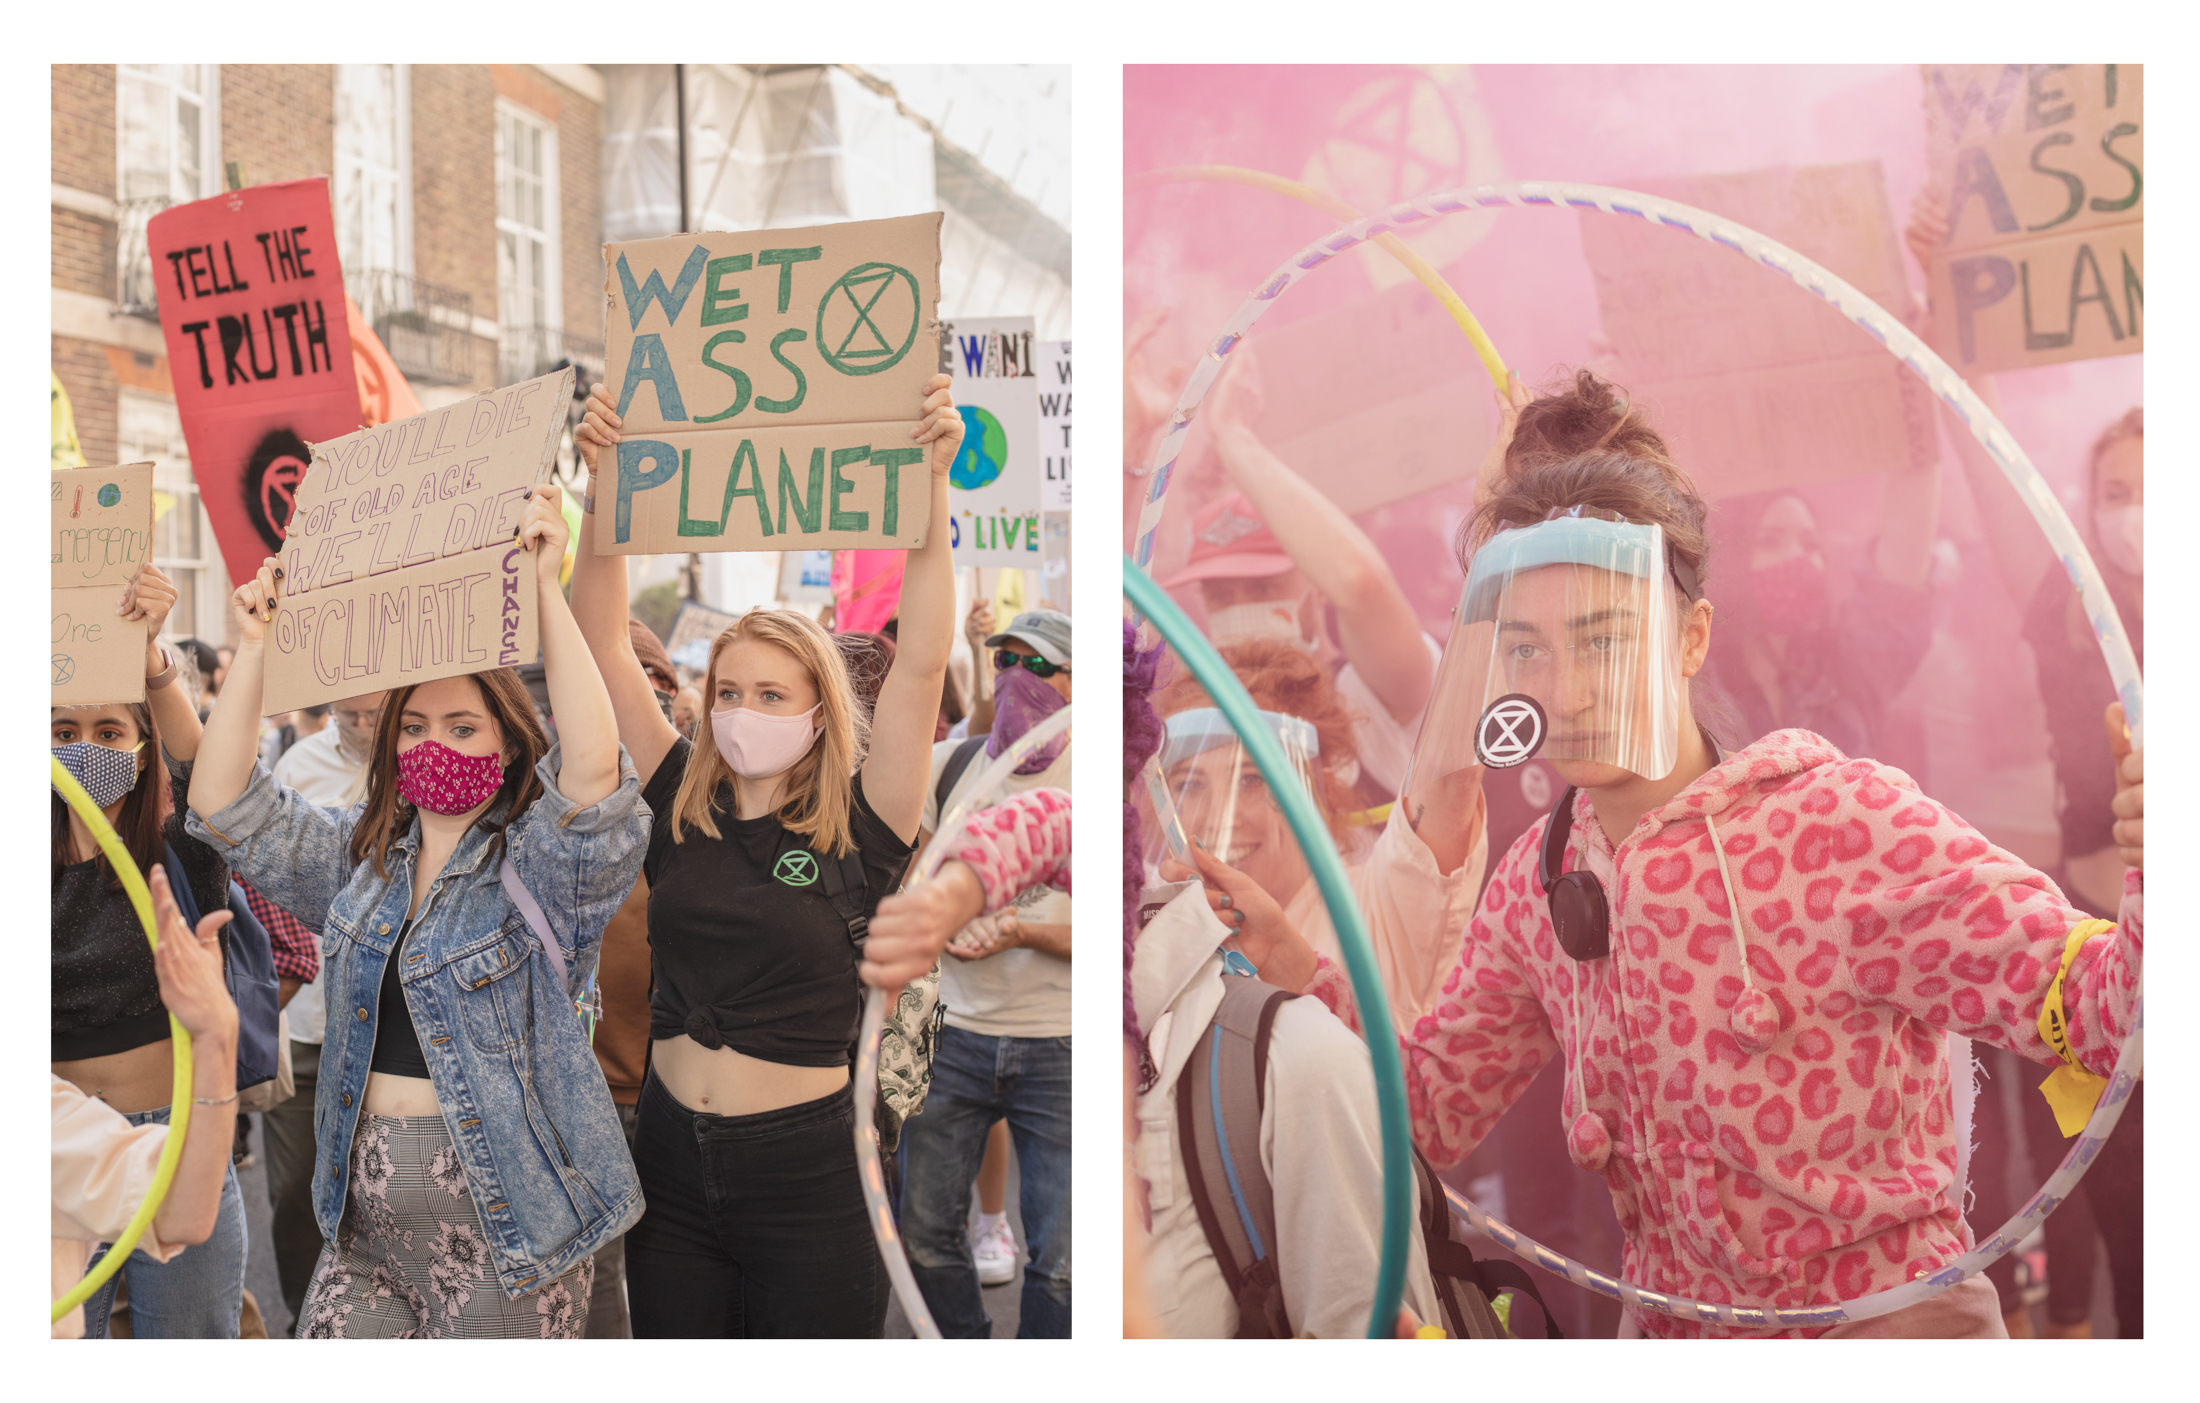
<point x="985" y="789"/>
<point x="1906" y="347"/>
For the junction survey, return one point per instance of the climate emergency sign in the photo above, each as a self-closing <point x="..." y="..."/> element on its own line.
<point x="767" y="383"/>
<point x="401" y="565"/>
<point x="259" y="350"/>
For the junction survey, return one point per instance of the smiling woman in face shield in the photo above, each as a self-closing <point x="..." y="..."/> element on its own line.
<point x="1746" y="962"/>
<point x="1236" y="840"/>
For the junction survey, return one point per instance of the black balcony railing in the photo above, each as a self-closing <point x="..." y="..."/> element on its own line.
<point x="133" y="265"/>
<point x="428" y="330"/>
<point x="528" y="351"/>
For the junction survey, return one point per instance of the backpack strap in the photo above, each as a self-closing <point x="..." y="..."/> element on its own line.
<point x="1465" y="1284"/>
<point x="951" y="774"/>
<point x="848" y="889"/>
<point x="1220" y="1098"/>
<point x="531" y="910"/>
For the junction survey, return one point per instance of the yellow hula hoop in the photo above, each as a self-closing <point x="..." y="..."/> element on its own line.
<point x="1396" y="247"/>
<point x="179" y="1119"/>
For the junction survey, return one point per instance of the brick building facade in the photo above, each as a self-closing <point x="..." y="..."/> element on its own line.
<point x="467" y="199"/>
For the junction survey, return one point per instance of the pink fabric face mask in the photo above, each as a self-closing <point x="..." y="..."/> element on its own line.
<point x="758" y="746"/>
<point x="434" y="777"/>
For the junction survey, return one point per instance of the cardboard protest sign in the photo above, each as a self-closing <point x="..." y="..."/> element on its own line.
<point x="400" y="566"/>
<point x="993" y="489"/>
<point x="102" y="533"/>
<point x="696" y="626"/>
<point x="1418" y="414"/>
<point x="1753" y="384"/>
<point x="1054" y="395"/>
<point x="252" y="310"/>
<point x="2041" y="169"/>
<point x="744" y="363"/>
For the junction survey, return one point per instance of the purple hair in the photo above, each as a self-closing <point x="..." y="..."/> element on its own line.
<point x="1142" y="735"/>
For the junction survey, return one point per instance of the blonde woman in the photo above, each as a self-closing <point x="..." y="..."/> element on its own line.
<point x="755" y="1223"/>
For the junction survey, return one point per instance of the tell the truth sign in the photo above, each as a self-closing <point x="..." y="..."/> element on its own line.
<point x="767" y="384"/>
<point x="400" y="566"/>
<point x="252" y="312"/>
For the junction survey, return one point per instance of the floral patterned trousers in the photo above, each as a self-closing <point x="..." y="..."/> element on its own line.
<point x="410" y="1261"/>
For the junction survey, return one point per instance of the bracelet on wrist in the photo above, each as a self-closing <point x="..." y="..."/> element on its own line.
<point x="215" y="1101"/>
<point x="166" y="675"/>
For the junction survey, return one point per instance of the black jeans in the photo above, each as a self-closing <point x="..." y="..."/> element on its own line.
<point x="755" y="1226"/>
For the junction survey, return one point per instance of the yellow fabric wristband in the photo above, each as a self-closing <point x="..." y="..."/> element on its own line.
<point x="2071" y="1091"/>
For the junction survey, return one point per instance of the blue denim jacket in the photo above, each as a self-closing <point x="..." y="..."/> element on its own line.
<point x="518" y="1085"/>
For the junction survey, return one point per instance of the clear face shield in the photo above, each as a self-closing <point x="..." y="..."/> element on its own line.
<point x="1205" y="789"/>
<point x="1565" y="645"/>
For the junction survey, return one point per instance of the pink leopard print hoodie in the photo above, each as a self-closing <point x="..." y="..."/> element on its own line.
<point x="1023" y="841"/>
<point x="1808" y="1154"/>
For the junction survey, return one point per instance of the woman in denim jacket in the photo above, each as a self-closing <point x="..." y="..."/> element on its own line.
<point x="468" y="1160"/>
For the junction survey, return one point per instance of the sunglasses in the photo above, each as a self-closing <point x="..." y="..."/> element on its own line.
<point x="1037" y="666"/>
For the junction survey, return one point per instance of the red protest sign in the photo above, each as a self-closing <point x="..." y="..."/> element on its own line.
<point x="259" y="348"/>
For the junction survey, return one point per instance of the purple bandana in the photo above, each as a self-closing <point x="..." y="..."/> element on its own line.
<point x="1021" y="701"/>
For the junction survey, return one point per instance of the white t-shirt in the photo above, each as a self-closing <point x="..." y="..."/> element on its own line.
<point x="1018" y="993"/>
<point x="319" y="771"/>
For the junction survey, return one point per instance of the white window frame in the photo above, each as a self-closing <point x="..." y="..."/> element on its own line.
<point x="347" y="166"/>
<point x="207" y="572"/>
<point x="553" y="315"/>
<point x="210" y="128"/>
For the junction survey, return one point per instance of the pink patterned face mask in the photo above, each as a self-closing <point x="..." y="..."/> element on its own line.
<point x="434" y="777"/>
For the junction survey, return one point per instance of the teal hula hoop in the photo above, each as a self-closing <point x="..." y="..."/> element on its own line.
<point x="1232" y="700"/>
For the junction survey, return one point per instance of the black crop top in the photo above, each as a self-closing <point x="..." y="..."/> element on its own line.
<point x="396" y="1041"/>
<point x="106" y="998"/>
<point x="740" y="957"/>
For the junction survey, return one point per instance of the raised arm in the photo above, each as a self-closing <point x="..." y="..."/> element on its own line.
<point x="588" y="767"/>
<point x="1376" y="624"/>
<point x="599" y="610"/>
<point x="147" y="599"/>
<point x="230" y="746"/>
<point x="895" y="775"/>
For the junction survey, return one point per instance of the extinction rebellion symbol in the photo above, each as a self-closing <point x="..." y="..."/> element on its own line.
<point x="1511" y="730"/>
<point x="872" y="322"/>
<point x="796" y="869"/>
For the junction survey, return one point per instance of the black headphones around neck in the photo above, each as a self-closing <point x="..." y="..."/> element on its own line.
<point x="1579" y="916"/>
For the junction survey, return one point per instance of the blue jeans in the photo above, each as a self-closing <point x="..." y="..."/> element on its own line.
<point x="199" y="1295"/>
<point x="977" y="1080"/>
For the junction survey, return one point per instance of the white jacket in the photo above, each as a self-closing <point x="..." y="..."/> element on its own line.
<point x="1320" y="1143"/>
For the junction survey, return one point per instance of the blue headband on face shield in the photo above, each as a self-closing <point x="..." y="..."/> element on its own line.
<point x="1203" y="728"/>
<point x="1620" y="546"/>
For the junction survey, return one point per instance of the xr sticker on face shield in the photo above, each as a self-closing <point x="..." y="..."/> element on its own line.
<point x="1511" y="731"/>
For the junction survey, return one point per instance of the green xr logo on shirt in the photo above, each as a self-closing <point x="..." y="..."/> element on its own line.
<point x="796" y="869"/>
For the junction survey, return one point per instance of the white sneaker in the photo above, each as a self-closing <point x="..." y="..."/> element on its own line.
<point x="996" y="1255"/>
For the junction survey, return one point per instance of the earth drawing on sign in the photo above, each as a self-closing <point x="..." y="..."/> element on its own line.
<point x="984" y="451"/>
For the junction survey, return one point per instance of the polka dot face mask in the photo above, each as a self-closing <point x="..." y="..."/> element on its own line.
<point x="105" y="772"/>
<point x="434" y="777"/>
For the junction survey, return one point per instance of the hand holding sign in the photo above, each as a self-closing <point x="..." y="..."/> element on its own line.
<point x="943" y="424"/>
<point x="599" y="427"/>
<point x="255" y="600"/>
<point x="543" y="530"/>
